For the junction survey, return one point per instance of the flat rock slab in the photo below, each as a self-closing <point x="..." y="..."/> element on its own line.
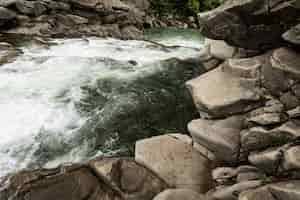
<point x="179" y="194"/>
<point x="219" y="93"/>
<point x="176" y="161"/>
<point x="221" y="137"/>
<point x="131" y="180"/>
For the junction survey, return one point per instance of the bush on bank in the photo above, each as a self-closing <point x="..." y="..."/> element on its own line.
<point x="183" y="7"/>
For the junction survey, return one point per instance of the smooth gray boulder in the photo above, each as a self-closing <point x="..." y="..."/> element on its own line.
<point x="219" y="93"/>
<point x="175" y="161"/>
<point x="221" y="137"/>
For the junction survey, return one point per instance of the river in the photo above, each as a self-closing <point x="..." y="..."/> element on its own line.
<point x="69" y="100"/>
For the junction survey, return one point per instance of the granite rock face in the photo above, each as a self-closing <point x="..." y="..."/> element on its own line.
<point x="250" y="24"/>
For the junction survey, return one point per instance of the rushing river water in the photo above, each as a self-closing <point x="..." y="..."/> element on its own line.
<point x="68" y="100"/>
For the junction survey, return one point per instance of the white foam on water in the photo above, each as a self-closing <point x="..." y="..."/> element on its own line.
<point x="38" y="91"/>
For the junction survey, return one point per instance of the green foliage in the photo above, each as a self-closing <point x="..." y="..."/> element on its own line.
<point x="183" y="7"/>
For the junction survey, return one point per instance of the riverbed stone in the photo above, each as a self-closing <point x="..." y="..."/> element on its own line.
<point x="221" y="137"/>
<point x="130" y="179"/>
<point x="175" y="161"/>
<point x="179" y="194"/>
<point x="219" y="93"/>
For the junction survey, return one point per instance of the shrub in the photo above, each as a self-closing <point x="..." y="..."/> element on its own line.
<point x="183" y="7"/>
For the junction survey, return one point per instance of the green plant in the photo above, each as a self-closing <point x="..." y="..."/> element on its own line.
<point x="183" y="7"/>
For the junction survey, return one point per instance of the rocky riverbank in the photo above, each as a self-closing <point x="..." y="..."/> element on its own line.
<point x="82" y="18"/>
<point x="244" y="146"/>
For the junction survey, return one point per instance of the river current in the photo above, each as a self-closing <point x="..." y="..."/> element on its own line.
<point x="69" y="100"/>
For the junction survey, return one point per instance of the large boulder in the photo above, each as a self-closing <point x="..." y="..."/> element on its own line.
<point x="131" y="180"/>
<point x="223" y="91"/>
<point x="174" y="159"/>
<point x="250" y="24"/>
<point x="221" y="137"/>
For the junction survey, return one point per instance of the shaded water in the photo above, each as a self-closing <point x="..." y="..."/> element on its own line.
<point x="69" y="100"/>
